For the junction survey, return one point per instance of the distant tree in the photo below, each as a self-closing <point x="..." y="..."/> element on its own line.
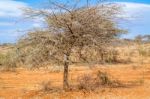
<point x="147" y="38"/>
<point x="139" y="38"/>
<point x="142" y="38"/>
<point x="72" y="27"/>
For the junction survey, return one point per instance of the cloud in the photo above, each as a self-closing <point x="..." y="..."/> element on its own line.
<point x="133" y="5"/>
<point x="136" y="18"/>
<point x="135" y="10"/>
<point x="12" y="20"/>
<point x="36" y="25"/>
<point x="137" y="15"/>
<point x="11" y="8"/>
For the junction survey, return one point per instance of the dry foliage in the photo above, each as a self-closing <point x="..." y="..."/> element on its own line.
<point x="73" y="28"/>
<point x="87" y="83"/>
<point x="9" y="61"/>
<point x="102" y="80"/>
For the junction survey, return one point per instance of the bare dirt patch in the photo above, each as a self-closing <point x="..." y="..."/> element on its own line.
<point x="27" y="84"/>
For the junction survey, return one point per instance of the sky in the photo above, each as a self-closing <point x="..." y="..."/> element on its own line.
<point x="13" y="24"/>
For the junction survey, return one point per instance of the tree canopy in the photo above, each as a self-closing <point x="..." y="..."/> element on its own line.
<point x="72" y="31"/>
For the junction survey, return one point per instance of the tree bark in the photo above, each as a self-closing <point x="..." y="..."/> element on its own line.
<point x="65" y="78"/>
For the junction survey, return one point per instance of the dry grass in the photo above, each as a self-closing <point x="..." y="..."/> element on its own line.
<point x="29" y="84"/>
<point x="111" y="81"/>
<point x="86" y="83"/>
<point x="101" y="80"/>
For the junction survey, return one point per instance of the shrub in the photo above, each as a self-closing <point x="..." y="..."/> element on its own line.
<point x="8" y="61"/>
<point x="86" y="82"/>
<point x="102" y="79"/>
<point x="142" y="51"/>
<point x="2" y="57"/>
<point x="109" y="56"/>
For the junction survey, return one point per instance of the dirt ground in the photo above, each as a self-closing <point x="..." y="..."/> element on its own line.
<point x="27" y="84"/>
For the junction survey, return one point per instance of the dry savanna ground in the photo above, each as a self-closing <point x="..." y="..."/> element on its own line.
<point x="27" y="84"/>
<point x="31" y="84"/>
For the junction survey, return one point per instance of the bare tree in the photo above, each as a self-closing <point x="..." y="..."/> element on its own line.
<point x="73" y="27"/>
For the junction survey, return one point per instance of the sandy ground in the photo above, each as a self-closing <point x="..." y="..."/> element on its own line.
<point x="27" y="84"/>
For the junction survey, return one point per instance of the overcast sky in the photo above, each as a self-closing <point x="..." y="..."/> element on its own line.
<point x="12" y="24"/>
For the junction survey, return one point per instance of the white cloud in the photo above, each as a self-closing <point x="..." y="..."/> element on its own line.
<point x="135" y="10"/>
<point x="134" y="5"/>
<point x="36" y="25"/>
<point x="11" y="8"/>
<point x="137" y="15"/>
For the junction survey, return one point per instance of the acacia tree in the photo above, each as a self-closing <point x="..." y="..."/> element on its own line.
<point x="72" y="27"/>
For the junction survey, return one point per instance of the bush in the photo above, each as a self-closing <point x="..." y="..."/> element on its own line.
<point x="2" y="58"/>
<point x="105" y="80"/>
<point x="8" y="61"/>
<point x="102" y="79"/>
<point x="109" y="56"/>
<point x="142" y="51"/>
<point x="86" y="82"/>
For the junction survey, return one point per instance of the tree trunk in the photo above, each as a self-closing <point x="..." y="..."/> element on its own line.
<point x="65" y="78"/>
